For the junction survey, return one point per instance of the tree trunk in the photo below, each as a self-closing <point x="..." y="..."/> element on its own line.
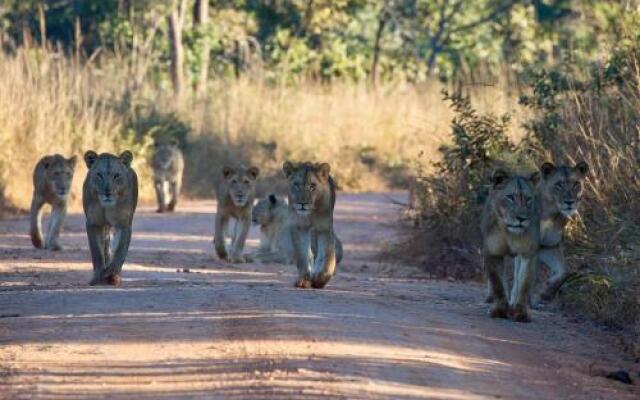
<point x="382" y="21"/>
<point x="176" y="50"/>
<point x="200" y="21"/>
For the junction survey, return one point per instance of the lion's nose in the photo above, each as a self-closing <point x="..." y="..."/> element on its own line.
<point x="521" y="219"/>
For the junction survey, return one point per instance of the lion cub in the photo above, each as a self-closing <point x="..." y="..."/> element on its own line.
<point x="52" y="178"/>
<point x="276" y="244"/>
<point x="511" y="227"/>
<point x="312" y="198"/>
<point x="109" y="199"/>
<point x="235" y="197"/>
<point x="168" y="166"/>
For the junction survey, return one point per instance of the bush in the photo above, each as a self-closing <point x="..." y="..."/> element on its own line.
<point x="449" y="198"/>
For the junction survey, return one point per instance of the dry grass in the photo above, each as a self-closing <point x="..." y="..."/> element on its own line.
<point x="49" y="103"/>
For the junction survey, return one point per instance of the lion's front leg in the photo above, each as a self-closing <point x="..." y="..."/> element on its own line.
<point x="58" y="214"/>
<point x="218" y="238"/>
<point x="174" y="191"/>
<point x="325" y="259"/>
<point x="500" y="307"/>
<point x="36" y="221"/>
<point x="158" y="184"/>
<point x="95" y="234"/>
<point x="523" y="275"/>
<point x="554" y="259"/>
<point x="120" y="247"/>
<point x="302" y="252"/>
<point x="503" y="276"/>
<point x="241" y="232"/>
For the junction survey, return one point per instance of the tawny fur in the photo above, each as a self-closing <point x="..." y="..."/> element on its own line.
<point x="52" y="179"/>
<point x="276" y="243"/>
<point x="235" y="194"/>
<point x="168" y="166"/>
<point x="109" y="199"/>
<point x="312" y="198"/>
<point x="511" y="228"/>
<point x="560" y="192"/>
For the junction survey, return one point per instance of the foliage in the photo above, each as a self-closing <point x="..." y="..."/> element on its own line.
<point x="450" y="196"/>
<point x="329" y="39"/>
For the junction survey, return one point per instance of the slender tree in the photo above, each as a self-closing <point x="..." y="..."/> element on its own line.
<point x="175" y="21"/>
<point x="200" y="21"/>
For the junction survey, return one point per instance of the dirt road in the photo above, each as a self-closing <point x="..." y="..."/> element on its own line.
<point x="242" y="331"/>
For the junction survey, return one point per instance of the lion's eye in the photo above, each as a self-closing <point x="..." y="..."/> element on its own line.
<point x="558" y="185"/>
<point x="246" y="181"/>
<point x="511" y="198"/>
<point x="234" y="181"/>
<point x="116" y="176"/>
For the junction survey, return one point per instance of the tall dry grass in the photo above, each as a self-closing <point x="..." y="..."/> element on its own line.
<point x="50" y="103"/>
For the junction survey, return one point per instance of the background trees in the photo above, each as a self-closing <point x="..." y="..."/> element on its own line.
<point x="287" y="40"/>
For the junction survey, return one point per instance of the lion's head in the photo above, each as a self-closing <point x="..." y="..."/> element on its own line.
<point x="263" y="212"/>
<point x="308" y="185"/>
<point x="241" y="183"/>
<point x="59" y="172"/>
<point x="164" y="154"/>
<point x="108" y="175"/>
<point x="562" y="186"/>
<point x="514" y="200"/>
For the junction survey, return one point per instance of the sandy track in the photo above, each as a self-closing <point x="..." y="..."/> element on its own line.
<point x="242" y="331"/>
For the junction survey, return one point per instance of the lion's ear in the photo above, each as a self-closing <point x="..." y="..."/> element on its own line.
<point x="253" y="172"/>
<point x="288" y="168"/>
<point x="90" y="157"/>
<point x="46" y="162"/>
<point x="227" y="172"/>
<point x="273" y="199"/>
<point x="126" y="157"/>
<point x="73" y="161"/>
<point x="582" y="168"/>
<point x="324" y="169"/>
<point x="547" y="169"/>
<point x="499" y="177"/>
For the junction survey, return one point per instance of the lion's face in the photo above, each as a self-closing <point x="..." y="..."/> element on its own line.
<point x="59" y="171"/>
<point x="163" y="155"/>
<point x="108" y="175"/>
<point x="515" y="201"/>
<point x="263" y="212"/>
<point x="562" y="186"/>
<point x="308" y="182"/>
<point x="241" y="183"/>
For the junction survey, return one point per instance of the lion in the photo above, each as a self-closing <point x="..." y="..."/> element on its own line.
<point x="168" y="165"/>
<point x="109" y="199"/>
<point x="235" y="197"/>
<point x="276" y="243"/>
<point x="52" y="179"/>
<point x="510" y="226"/>
<point x="560" y="190"/>
<point x="312" y="198"/>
